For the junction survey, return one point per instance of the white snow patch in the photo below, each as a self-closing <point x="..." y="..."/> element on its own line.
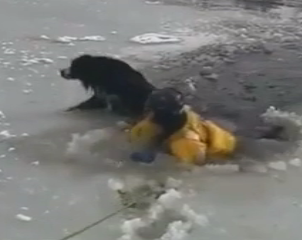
<point x="6" y="134"/>
<point x="291" y="121"/>
<point x="155" y="38"/>
<point x="27" y="91"/>
<point x="295" y="162"/>
<point x="65" y="39"/>
<point x="278" y="165"/>
<point x="130" y="227"/>
<point x="36" y="163"/>
<point x="62" y="57"/>
<point x="23" y="218"/>
<point x="173" y="183"/>
<point x="26" y="61"/>
<point x="177" y="230"/>
<point x="2" y="115"/>
<point x="70" y="39"/>
<point x="44" y="37"/>
<point x="122" y="124"/>
<point x="92" y="38"/>
<point x="115" y="184"/>
<point x="170" y="198"/>
<point x="190" y="214"/>
<point x="10" y="79"/>
<point x="153" y="2"/>
<point x="167" y="209"/>
<point x="9" y="51"/>
<point x="223" y="168"/>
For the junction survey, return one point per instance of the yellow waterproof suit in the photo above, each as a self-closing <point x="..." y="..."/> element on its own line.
<point x="197" y="142"/>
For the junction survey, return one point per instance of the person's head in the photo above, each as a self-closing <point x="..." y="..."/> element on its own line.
<point x="166" y="100"/>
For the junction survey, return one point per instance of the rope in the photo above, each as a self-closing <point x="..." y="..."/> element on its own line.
<point x="97" y="222"/>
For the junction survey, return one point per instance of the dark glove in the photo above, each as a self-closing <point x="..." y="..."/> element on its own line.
<point x="143" y="156"/>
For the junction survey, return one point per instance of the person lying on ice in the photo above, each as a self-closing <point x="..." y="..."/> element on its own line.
<point x="171" y="125"/>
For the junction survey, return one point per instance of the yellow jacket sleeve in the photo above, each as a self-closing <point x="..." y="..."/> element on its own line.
<point x="144" y="132"/>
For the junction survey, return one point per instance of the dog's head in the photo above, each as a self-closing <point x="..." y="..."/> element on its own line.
<point x="165" y="101"/>
<point x="80" y="68"/>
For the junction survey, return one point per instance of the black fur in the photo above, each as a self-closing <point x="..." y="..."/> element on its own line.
<point x="112" y="81"/>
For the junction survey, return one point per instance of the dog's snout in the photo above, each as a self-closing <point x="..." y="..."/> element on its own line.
<point x="65" y="73"/>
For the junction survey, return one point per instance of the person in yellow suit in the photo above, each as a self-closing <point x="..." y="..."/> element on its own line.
<point x="185" y="135"/>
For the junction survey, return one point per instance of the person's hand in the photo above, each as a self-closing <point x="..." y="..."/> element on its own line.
<point x="143" y="156"/>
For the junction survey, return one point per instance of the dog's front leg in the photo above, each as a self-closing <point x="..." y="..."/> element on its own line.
<point x="95" y="102"/>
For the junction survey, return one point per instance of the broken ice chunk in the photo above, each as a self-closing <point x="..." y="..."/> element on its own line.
<point x="44" y="37"/>
<point x="24" y="218"/>
<point x="11" y="149"/>
<point x="115" y="184"/>
<point x="36" y="163"/>
<point x="6" y="133"/>
<point x="65" y="39"/>
<point x="155" y="38"/>
<point x="279" y="165"/>
<point x="27" y="91"/>
<point x="92" y="38"/>
<point x="295" y="162"/>
<point x="2" y="115"/>
<point x="170" y="198"/>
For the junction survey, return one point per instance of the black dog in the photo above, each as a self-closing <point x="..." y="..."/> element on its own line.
<point x="114" y="83"/>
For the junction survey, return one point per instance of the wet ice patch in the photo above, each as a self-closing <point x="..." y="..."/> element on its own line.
<point x="155" y="38"/>
<point x="82" y="143"/>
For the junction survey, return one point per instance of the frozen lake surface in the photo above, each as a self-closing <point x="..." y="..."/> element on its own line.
<point x="257" y="45"/>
